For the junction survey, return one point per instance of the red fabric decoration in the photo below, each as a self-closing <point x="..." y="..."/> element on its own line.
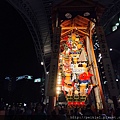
<point x="65" y="38"/>
<point x="85" y="76"/>
<point x="90" y="74"/>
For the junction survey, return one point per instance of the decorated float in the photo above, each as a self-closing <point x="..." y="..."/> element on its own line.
<point x="74" y="75"/>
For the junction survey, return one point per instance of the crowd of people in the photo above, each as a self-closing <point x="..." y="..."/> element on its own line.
<point x="40" y="111"/>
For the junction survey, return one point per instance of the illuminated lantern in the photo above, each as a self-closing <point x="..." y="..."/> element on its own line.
<point x="82" y="103"/>
<point x="78" y="103"/>
<point x="73" y="36"/>
<point x="69" y="103"/>
<point x="72" y="103"/>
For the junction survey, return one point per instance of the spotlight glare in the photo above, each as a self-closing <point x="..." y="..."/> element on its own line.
<point x="58" y="92"/>
<point x="58" y="88"/>
<point x="42" y="63"/>
<point x="111" y="49"/>
<point x="117" y="24"/>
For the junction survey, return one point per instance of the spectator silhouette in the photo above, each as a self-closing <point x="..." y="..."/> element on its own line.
<point x="117" y="112"/>
<point x="39" y="112"/>
<point x="88" y="111"/>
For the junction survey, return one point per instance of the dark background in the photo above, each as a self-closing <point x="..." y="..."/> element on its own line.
<point x="17" y="51"/>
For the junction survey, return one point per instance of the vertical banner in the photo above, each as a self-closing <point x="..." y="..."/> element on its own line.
<point x="110" y="77"/>
<point x="51" y="89"/>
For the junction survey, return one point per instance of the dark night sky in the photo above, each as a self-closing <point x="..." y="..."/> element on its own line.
<point x="17" y="52"/>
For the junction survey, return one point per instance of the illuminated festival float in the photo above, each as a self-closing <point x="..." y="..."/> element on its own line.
<point x="74" y="70"/>
<point x="75" y="64"/>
